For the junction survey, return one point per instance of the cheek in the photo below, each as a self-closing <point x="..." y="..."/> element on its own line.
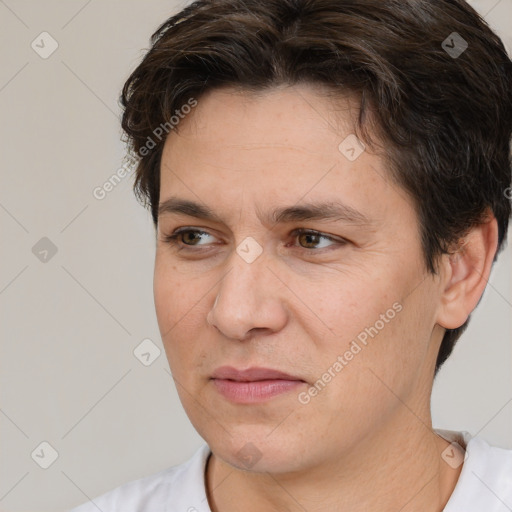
<point x="165" y="297"/>
<point x="181" y="316"/>
<point x="395" y="344"/>
<point x="182" y="308"/>
<point x="356" y="306"/>
<point x="375" y="324"/>
<point x="172" y="292"/>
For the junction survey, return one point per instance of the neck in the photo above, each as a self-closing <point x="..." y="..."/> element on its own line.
<point x="397" y="468"/>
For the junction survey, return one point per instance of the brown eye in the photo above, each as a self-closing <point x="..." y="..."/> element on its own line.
<point x="309" y="239"/>
<point x="187" y="237"/>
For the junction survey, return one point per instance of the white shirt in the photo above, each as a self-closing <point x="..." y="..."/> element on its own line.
<point x="484" y="485"/>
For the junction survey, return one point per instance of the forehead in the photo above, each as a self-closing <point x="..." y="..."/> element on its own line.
<point x="257" y="118"/>
<point x="279" y="146"/>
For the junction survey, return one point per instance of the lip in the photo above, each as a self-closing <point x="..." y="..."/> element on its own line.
<point x="251" y="374"/>
<point x="253" y="385"/>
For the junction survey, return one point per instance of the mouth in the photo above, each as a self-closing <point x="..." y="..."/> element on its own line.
<point x="253" y="385"/>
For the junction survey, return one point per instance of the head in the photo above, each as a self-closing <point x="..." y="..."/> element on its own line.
<point x="259" y="112"/>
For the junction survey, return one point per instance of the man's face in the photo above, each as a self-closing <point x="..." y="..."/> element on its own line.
<point x="346" y="309"/>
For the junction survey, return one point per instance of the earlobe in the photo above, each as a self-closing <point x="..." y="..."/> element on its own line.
<point x="465" y="272"/>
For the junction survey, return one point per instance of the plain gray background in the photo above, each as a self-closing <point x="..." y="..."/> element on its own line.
<point x="70" y="324"/>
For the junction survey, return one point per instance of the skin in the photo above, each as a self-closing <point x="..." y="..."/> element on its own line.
<point x="365" y="441"/>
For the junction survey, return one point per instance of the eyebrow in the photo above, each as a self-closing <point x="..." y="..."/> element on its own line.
<point x="323" y="211"/>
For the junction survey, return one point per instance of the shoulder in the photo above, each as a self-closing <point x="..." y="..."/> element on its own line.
<point x="485" y="482"/>
<point x="181" y="486"/>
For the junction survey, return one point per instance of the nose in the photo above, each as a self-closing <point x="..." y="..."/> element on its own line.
<point x="250" y="299"/>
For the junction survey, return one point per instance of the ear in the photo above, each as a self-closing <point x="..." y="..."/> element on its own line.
<point x="466" y="272"/>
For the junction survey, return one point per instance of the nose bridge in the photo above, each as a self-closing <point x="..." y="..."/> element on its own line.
<point x="242" y="281"/>
<point x="247" y="295"/>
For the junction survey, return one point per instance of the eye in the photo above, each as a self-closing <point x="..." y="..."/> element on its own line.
<point x="309" y="238"/>
<point x="186" y="236"/>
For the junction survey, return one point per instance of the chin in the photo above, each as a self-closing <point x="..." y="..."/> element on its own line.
<point x="256" y="451"/>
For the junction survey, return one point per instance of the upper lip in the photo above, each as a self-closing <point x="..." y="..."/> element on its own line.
<point x="251" y="374"/>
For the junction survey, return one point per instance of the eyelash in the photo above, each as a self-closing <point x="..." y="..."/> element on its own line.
<point x="174" y="239"/>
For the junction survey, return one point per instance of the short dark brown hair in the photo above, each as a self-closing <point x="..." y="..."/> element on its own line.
<point x="442" y="110"/>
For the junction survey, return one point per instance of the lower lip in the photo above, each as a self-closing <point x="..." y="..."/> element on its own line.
<point x="256" y="391"/>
